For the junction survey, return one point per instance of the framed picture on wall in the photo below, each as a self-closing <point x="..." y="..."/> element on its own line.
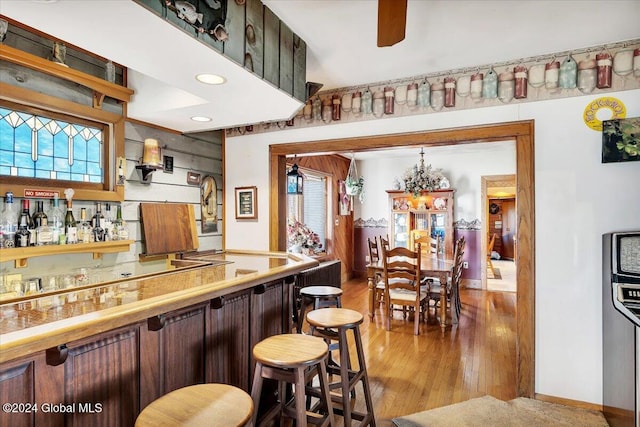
<point x="621" y="140"/>
<point x="246" y="202"/>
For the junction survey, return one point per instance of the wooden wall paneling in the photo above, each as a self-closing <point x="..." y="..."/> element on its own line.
<point x="523" y="133"/>
<point x="271" y="47"/>
<point x="340" y="243"/>
<point x="183" y="347"/>
<point x="299" y="68"/>
<point x="49" y="387"/>
<point x="235" y="24"/>
<point x="286" y="59"/>
<point x="17" y="385"/>
<point x="104" y="371"/>
<point x="267" y="304"/>
<point x="254" y="37"/>
<point x="228" y="341"/>
<point x="151" y="365"/>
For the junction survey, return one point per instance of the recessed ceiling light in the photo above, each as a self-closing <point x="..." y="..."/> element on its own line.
<point x="201" y="119"/>
<point x="210" y="79"/>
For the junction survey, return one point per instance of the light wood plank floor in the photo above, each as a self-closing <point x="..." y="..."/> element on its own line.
<point x="410" y="373"/>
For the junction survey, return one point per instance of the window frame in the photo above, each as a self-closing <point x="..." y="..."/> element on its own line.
<point x="113" y="140"/>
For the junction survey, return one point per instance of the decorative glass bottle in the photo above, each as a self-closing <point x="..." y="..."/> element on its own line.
<point x="520" y="74"/>
<point x="604" y="63"/>
<point x="449" y="92"/>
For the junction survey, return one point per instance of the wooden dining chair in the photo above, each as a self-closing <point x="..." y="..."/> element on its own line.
<point x="434" y="287"/>
<point x="402" y="283"/>
<point x="492" y="241"/>
<point x="384" y="241"/>
<point x="374" y="256"/>
<point x="422" y="236"/>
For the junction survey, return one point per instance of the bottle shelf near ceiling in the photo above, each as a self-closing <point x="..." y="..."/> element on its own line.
<point x="22" y="255"/>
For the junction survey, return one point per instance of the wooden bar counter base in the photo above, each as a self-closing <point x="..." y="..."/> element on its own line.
<point x="99" y="354"/>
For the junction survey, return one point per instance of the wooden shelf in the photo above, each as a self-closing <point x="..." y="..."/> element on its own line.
<point x="21" y="255"/>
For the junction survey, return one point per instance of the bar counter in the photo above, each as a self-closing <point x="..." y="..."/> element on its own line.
<point x="124" y="343"/>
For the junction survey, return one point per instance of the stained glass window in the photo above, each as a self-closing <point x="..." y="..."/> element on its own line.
<point x="36" y="146"/>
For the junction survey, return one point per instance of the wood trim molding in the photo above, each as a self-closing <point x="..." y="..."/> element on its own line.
<point x="568" y="402"/>
<point x="97" y="84"/>
<point x="522" y="132"/>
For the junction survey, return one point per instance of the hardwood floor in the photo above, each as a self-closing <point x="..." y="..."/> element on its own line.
<point x="409" y="373"/>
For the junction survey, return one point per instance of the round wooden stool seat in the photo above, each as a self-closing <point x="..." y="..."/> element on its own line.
<point x="199" y="405"/>
<point x="321" y="291"/>
<point x="290" y="350"/>
<point x="334" y="318"/>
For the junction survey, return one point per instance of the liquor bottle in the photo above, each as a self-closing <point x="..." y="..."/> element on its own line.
<point x="70" y="226"/>
<point x="119" y="226"/>
<point x="39" y="214"/>
<point x="37" y="218"/>
<point x="107" y="224"/>
<point x="98" y="231"/>
<point x="44" y="234"/>
<point x="9" y="223"/>
<point x="55" y="219"/>
<point x="98" y="212"/>
<point x="23" y="234"/>
<point x="84" y="228"/>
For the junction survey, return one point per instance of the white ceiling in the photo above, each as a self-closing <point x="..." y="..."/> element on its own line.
<point x="341" y="47"/>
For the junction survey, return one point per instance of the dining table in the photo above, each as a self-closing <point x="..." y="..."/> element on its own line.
<point x="431" y="265"/>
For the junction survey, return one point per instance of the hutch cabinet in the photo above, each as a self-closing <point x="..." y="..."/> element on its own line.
<point x="430" y="211"/>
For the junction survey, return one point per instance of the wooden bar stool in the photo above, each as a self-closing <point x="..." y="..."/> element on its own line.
<point x="294" y="359"/>
<point x="199" y="405"/>
<point x="334" y="323"/>
<point x="321" y="296"/>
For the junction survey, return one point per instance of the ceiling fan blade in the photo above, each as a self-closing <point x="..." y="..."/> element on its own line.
<point x="392" y="21"/>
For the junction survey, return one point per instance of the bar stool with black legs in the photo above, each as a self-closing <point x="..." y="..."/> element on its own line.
<point x="333" y="324"/>
<point x="321" y="296"/>
<point x="293" y="359"/>
<point x="199" y="405"/>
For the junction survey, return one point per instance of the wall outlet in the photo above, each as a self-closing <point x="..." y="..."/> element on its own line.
<point x="367" y="259"/>
<point x="465" y="264"/>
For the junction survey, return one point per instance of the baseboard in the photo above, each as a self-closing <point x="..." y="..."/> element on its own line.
<point x="359" y="274"/>
<point x="471" y="284"/>
<point x="568" y="402"/>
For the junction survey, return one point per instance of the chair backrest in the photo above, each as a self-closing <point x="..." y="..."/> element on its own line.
<point x="384" y="241"/>
<point x="457" y="260"/>
<point x="374" y="250"/>
<point x="401" y="267"/>
<point x="423" y="237"/>
<point x="492" y="241"/>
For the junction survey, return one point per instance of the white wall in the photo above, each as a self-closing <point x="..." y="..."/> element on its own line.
<point x="577" y="199"/>
<point x="462" y="165"/>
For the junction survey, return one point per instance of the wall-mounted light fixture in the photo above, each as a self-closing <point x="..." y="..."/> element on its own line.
<point x="151" y="160"/>
<point x="295" y="180"/>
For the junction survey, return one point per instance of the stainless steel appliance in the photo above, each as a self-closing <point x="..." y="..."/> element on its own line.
<point x="621" y="328"/>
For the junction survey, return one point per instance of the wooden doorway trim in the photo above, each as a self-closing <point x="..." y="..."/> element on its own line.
<point x="486" y="182"/>
<point x="522" y="132"/>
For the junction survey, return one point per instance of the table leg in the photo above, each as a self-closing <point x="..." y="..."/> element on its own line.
<point x="371" y="295"/>
<point x="443" y="302"/>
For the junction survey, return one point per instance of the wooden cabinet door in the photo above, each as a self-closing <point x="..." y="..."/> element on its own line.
<point x="509" y="228"/>
<point x="101" y="380"/>
<point x="228" y="341"/>
<point x="17" y="386"/>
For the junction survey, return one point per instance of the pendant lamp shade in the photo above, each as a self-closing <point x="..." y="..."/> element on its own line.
<point x="294" y="180"/>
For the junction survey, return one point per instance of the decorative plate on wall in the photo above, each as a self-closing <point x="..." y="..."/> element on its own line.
<point x="440" y="203"/>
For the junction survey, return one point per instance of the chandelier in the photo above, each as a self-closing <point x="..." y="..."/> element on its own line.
<point x="422" y="178"/>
